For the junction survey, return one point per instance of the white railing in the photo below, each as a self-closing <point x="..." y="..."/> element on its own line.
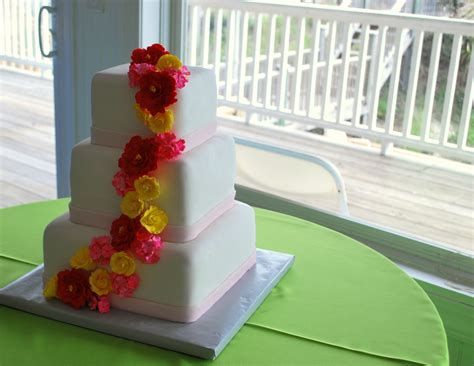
<point x="19" y="37"/>
<point x="354" y="70"/>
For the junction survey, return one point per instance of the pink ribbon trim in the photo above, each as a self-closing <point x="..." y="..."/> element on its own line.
<point x="183" y="314"/>
<point x="115" y="139"/>
<point x="172" y="233"/>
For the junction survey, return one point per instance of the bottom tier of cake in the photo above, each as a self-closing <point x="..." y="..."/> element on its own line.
<point x="189" y="278"/>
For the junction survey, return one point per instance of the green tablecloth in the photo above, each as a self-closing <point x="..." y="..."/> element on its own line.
<point x="340" y="304"/>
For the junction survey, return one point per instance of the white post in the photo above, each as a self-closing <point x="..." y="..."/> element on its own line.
<point x="412" y="83"/>
<point x="377" y="72"/>
<point x="314" y="66"/>
<point x="256" y="60"/>
<point x="450" y="89"/>
<point x="346" y="54"/>
<point x="299" y="65"/>
<point x="270" y="56"/>
<point x="359" y="90"/>
<point x="431" y="86"/>
<point x="243" y="56"/>
<point x="326" y="102"/>
<point x="217" y="51"/>
<point x="466" y="106"/>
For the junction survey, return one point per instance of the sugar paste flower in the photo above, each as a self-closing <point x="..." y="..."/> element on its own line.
<point x="168" y="146"/>
<point x="101" y="249"/>
<point x="122" y="183"/>
<point x="169" y="61"/>
<point x="147" y="188"/>
<point x="157" y="91"/>
<point x="124" y="286"/>
<point x="137" y="71"/>
<point x="159" y="123"/>
<point x="123" y="232"/>
<point x="103" y="305"/>
<point x="154" y="220"/>
<point x="51" y="287"/>
<point x="82" y="260"/>
<point x="139" y="157"/>
<point x="146" y="247"/>
<point x="73" y="287"/>
<point x="149" y="55"/>
<point x="132" y="205"/>
<point x="122" y="263"/>
<point x="100" y="282"/>
<point x="181" y="76"/>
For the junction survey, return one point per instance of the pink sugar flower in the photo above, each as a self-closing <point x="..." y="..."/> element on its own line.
<point x="103" y="305"/>
<point x="124" y="286"/>
<point x="147" y="247"/>
<point x="168" y="146"/>
<point x="137" y="71"/>
<point x="101" y="249"/>
<point x="122" y="182"/>
<point x="93" y="303"/>
<point x="181" y="76"/>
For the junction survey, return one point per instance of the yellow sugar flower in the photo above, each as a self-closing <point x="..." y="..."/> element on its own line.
<point x="132" y="205"/>
<point x="51" y="287"/>
<point x="82" y="260"/>
<point x="122" y="263"/>
<point x="169" y="61"/>
<point x="147" y="188"/>
<point x="160" y="122"/>
<point x="154" y="220"/>
<point x="142" y="114"/>
<point x="100" y="282"/>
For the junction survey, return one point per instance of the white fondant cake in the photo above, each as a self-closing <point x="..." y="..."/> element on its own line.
<point x="186" y="276"/>
<point x="208" y="238"/>
<point x="191" y="186"/>
<point x="113" y="100"/>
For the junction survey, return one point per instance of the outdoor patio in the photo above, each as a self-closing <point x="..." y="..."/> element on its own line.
<point x="411" y="192"/>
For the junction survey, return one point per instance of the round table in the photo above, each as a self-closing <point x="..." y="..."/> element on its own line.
<point x="340" y="304"/>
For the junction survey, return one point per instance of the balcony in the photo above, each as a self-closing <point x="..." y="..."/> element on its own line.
<point x="386" y="97"/>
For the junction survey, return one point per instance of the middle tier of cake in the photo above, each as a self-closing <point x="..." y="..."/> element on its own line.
<point x="195" y="189"/>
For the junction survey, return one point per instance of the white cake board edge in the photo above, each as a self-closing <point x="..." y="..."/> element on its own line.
<point x="205" y="338"/>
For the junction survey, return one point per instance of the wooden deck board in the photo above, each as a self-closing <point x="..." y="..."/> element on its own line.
<point x="27" y="153"/>
<point x="421" y="195"/>
<point x="417" y="194"/>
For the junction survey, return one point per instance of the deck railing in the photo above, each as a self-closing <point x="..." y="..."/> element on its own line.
<point x="368" y="73"/>
<point x="19" y="36"/>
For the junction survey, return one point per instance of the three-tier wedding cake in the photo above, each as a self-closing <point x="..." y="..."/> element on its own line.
<point x="153" y="227"/>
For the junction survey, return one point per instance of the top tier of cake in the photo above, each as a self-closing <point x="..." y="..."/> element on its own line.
<point x="114" y="118"/>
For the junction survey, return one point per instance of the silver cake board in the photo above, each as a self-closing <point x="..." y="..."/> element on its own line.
<point x="204" y="338"/>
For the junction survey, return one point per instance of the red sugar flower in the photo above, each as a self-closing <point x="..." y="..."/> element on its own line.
<point x="150" y="55"/>
<point x="73" y="287"/>
<point x="123" y="232"/>
<point x="168" y="146"/>
<point x="137" y="71"/>
<point x="140" y="156"/>
<point x="157" y="91"/>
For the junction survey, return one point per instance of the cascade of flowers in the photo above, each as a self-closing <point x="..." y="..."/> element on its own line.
<point x="108" y="264"/>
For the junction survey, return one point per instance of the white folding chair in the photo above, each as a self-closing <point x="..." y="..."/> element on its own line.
<point x="297" y="176"/>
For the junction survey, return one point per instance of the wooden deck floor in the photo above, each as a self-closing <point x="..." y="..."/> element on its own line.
<point x="421" y="195"/>
<point x="27" y="155"/>
<point x="417" y="194"/>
